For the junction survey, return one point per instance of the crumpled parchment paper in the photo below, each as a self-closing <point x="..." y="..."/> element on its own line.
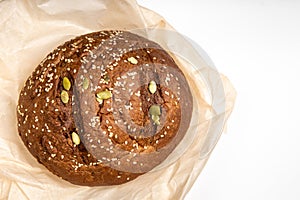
<point x="29" y="30"/>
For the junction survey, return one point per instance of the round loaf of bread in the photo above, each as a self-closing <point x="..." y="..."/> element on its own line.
<point x="104" y="108"/>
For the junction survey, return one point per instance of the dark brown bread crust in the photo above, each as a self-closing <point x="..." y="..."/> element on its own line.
<point x="119" y="139"/>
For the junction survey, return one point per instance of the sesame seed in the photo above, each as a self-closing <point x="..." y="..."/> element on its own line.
<point x="132" y="60"/>
<point x="138" y="93"/>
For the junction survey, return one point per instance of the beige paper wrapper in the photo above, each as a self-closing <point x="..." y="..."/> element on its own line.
<point x="29" y="30"/>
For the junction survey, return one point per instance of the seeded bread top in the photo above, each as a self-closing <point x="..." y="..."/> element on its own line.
<point x="104" y="108"/>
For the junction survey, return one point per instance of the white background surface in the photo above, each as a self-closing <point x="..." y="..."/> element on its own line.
<point x="256" y="43"/>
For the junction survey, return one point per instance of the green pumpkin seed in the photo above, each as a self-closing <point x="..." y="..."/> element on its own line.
<point x="64" y="96"/>
<point x="104" y="94"/>
<point x="155" y="110"/>
<point x="75" y="138"/>
<point x="86" y="83"/>
<point x="152" y="87"/>
<point x="66" y="83"/>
